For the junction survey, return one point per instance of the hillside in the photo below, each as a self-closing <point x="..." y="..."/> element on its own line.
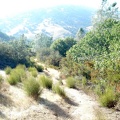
<point x="5" y="37"/>
<point x="57" y="21"/>
<point x="50" y="106"/>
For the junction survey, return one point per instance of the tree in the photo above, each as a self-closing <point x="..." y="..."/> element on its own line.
<point x="80" y="34"/>
<point x="106" y="11"/>
<point x="14" y="52"/>
<point x="42" y="41"/>
<point x="63" y="45"/>
<point x="101" y="45"/>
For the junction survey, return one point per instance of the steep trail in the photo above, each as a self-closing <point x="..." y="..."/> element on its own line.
<point x="16" y="105"/>
<point x="85" y="105"/>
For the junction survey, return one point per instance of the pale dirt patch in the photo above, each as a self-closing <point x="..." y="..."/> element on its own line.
<point x="3" y="73"/>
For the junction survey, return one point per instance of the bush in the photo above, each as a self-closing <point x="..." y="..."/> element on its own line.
<point x="60" y="91"/>
<point x="34" y="73"/>
<point x="39" y="68"/>
<point x="32" y="88"/>
<point x="20" y="66"/>
<point x="30" y="69"/>
<point x="108" y="98"/>
<point x="70" y="82"/>
<point x="45" y="82"/>
<point x="8" y="70"/>
<point x="16" y="75"/>
<point x="13" y="78"/>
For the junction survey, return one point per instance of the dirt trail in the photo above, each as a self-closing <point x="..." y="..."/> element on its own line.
<point x="15" y="105"/>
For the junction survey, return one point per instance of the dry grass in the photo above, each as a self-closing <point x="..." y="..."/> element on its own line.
<point x="99" y="114"/>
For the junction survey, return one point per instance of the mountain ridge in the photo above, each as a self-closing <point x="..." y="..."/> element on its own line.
<point x="59" y="21"/>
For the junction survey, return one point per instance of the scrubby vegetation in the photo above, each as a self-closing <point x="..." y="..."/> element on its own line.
<point x="94" y="60"/>
<point x="17" y="75"/>
<point x="109" y="97"/>
<point x="59" y="90"/>
<point x="8" y="70"/>
<point x="45" y="82"/>
<point x="32" y="87"/>
<point x="70" y="82"/>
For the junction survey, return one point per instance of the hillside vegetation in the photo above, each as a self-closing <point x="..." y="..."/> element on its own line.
<point x="92" y="62"/>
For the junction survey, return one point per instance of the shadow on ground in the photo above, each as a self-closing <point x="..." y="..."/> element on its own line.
<point x="71" y="102"/>
<point x="2" y="116"/>
<point x="6" y="101"/>
<point x="55" y="108"/>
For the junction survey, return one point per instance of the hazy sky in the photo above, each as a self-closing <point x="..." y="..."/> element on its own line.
<point x="9" y="7"/>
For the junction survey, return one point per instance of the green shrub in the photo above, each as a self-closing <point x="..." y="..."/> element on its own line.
<point x="45" y="82"/>
<point x="58" y="90"/>
<point x="20" y="66"/>
<point x="70" y="82"/>
<point x="8" y="70"/>
<point x="32" y="87"/>
<point x="13" y="79"/>
<point x="108" y="98"/>
<point x="30" y="69"/>
<point x="34" y="73"/>
<point x="16" y="75"/>
<point x="84" y="81"/>
<point x="39" y="68"/>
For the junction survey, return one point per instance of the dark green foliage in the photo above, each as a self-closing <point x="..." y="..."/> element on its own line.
<point x="63" y="45"/>
<point x="98" y="44"/>
<point x="14" y="52"/>
<point x="39" y="68"/>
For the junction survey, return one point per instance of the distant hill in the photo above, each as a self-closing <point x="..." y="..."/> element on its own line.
<point x="5" y="37"/>
<point x="57" y="21"/>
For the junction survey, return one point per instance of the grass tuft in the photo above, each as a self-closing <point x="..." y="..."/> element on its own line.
<point x="70" y="82"/>
<point x="32" y="87"/>
<point x="16" y="75"/>
<point x="108" y="98"/>
<point x="45" y="82"/>
<point x="8" y="70"/>
<point x="58" y="90"/>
